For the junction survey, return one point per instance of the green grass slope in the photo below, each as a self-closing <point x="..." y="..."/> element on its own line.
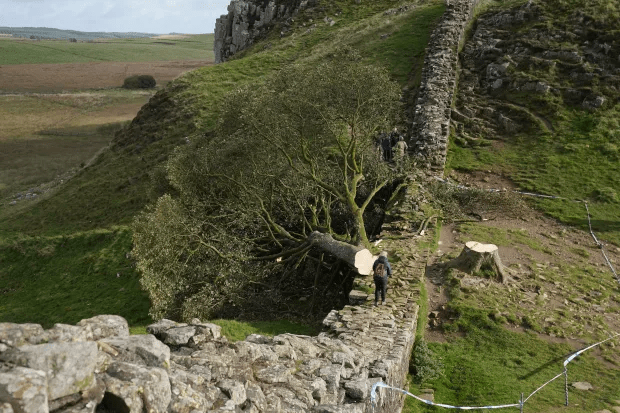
<point x="487" y="365"/>
<point x="16" y="52"/>
<point x="562" y="147"/>
<point x="118" y="184"/>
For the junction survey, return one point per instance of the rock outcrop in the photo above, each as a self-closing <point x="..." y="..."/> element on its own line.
<point x="247" y="20"/>
<point x="525" y="65"/>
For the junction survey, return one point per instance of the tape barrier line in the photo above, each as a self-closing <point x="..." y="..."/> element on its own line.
<point x="373" y="391"/>
<point x="531" y="394"/>
<point x="598" y="243"/>
<point x="574" y="355"/>
<point x="373" y="399"/>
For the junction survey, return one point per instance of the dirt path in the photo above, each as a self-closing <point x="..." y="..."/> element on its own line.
<point x="51" y="78"/>
<point x="559" y="278"/>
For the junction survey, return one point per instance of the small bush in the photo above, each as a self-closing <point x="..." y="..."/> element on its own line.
<point x="606" y="195"/>
<point x="423" y="365"/>
<point x="609" y="149"/>
<point x="139" y="82"/>
<point x="529" y="322"/>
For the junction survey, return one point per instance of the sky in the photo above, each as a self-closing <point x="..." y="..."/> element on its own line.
<point x="145" y="16"/>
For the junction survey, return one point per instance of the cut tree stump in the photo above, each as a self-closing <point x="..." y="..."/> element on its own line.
<point x="475" y="255"/>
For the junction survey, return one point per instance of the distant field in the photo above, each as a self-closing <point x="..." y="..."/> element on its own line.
<point x="22" y="51"/>
<point x="44" y="135"/>
<point x="91" y="75"/>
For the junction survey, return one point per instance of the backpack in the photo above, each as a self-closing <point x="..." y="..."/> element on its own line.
<point x="380" y="270"/>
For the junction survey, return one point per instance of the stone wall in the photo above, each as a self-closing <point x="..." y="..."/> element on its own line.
<point x="247" y="20"/>
<point x="431" y="121"/>
<point x="185" y="367"/>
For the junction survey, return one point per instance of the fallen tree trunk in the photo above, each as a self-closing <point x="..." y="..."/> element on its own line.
<point x="357" y="257"/>
<point x="475" y="255"/>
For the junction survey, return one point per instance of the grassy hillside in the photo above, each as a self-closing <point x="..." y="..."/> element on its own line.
<point x="60" y="254"/>
<point x="549" y="139"/>
<point x="16" y="52"/>
<point x="117" y="185"/>
<point x="555" y="142"/>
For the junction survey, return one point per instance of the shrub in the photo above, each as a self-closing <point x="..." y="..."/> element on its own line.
<point x="606" y="195"/>
<point x="139" y="82"/>
<point x="423" y="365"/>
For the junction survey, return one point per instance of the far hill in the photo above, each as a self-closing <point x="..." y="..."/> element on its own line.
<point x="50" y="33"/>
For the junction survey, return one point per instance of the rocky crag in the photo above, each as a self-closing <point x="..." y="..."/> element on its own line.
<point x="512" y="83"/>
<point x="186" y="367"/>
<point x="247" y="21"/>
<point x="520" y="67"/>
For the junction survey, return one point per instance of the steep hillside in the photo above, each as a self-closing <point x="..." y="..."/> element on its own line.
<point x="538" y="98"/>
<point x="129" y="173"/>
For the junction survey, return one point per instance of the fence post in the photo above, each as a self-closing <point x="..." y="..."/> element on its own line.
<point x="566" y="385"/>
<point x="521" y="403"/>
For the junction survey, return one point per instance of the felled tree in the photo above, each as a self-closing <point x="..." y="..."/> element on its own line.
<point x="288" y="177"/>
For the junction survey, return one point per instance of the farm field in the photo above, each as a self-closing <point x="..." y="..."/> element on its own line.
<point x="15" y="51"/>
<point x="55" y="117"/>
<point x="58" y="77"/>
<point x="45" y="135"/>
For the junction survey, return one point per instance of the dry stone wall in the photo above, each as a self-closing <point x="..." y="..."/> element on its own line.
<point x="431" y="121"/>
<point x="248" y="20"/>
<point x="97" y="365"/>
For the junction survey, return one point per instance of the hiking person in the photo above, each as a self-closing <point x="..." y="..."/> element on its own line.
<point x="386" y="147"/>
<point x="399" y="151"/>
<point x="400" y="148"/>
<point x="381" y="271"/>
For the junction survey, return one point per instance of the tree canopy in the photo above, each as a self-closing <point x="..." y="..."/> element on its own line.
<point x="293" y="155"/>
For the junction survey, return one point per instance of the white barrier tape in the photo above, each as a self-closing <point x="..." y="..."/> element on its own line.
<point x="373" y="399"/>
<point x="598" y="243"/>
<point x="373" y="391"/>
<point x="527" y="398"/>
<point x="572" y="357"/>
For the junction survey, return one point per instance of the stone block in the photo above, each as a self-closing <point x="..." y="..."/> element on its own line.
<point x="154" y="384"/>
<point x="14" y="335"/>
<point x="70" y="367"/>
<point x="104" y="326"/>
<point x="25" y="390"/>
<point x="141" y="349"/>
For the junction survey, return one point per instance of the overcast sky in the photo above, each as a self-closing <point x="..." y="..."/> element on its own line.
<point x="147" y="16"/>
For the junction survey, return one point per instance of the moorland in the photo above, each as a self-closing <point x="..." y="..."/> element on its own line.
<point x="66" y="253"/>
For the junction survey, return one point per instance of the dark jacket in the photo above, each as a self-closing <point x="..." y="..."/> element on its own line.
<point x="388" y="268"/>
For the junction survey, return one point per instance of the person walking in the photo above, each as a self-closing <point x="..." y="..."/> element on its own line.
<point x="399" y="150"/>
<point x="381" y="271"/>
